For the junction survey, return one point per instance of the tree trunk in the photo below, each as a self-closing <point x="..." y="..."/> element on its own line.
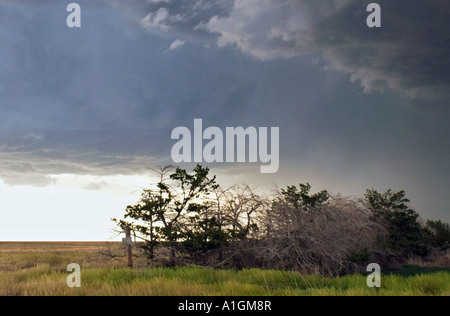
<point x="173" y="254"/>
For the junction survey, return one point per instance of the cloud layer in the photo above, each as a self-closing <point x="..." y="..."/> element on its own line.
<point x="409" y="54"/>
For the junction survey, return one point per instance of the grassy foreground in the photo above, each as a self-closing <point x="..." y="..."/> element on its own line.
<point x="40" y="269"/>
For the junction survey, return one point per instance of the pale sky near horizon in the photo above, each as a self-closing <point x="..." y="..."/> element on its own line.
<point x="84" y="112"/>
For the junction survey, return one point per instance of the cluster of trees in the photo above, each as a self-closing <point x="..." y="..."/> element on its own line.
<point x="187" y="218"/>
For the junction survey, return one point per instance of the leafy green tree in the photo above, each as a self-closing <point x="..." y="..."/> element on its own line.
<point x="163" y="212"/>
<point x="301" y="199"/>
<point x="206" y="234"/>
<point x="405" y="235"/>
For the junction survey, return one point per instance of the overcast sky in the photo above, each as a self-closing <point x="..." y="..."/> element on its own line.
<point x="84" y="112"/>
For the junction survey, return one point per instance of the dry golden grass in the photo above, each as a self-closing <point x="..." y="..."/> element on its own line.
<point x="51" y="247"/>
<point x="16" y="256"/>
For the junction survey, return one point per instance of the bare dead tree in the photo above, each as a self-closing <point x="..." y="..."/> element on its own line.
<point x="238" y="208"/>
<point x="322" y="240"/>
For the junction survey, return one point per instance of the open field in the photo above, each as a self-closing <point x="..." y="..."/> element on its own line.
<point x="40" y="269"/>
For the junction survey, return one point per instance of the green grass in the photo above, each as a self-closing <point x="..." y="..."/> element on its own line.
<point x="43" y="272"/>
<point x="188" y="281"/>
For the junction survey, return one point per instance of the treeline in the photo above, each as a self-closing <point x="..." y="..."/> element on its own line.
<point x="186" y="218"/>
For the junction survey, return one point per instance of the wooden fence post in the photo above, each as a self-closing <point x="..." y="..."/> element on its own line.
<point x="127" y="240"/>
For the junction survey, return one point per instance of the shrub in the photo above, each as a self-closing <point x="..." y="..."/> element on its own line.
<point x="405" y="236"/>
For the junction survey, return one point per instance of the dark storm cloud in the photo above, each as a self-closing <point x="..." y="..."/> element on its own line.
<point x="75" y="101"/>
<point x="101" y="99"/>
<point x="410" y="53"/>
<point x="30" y="159"/>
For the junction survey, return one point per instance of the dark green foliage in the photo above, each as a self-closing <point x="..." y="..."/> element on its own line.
<point x="362" y="256"/>
<point x="387" y="201"/>
<point x="411" y="270"/>
<point x="441" y="234"/>
<point x="301" y="200"/>
<point x="405" y="235"/>
<point x="207" y="234"/>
